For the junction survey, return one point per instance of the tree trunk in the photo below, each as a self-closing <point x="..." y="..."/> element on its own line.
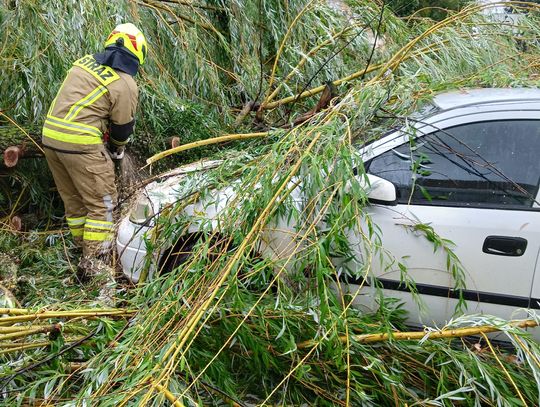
<point x="15" y="144"/>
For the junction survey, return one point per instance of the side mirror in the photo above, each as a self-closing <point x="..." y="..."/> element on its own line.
<point x="380" y="190"/>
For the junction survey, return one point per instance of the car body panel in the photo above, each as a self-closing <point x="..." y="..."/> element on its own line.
<point x="131" y="248"/>
<point x="491" y="280"/>
<point x="495" y="283"/>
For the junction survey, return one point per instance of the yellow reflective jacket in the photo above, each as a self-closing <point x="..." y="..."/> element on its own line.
<point x="91" y="98"/>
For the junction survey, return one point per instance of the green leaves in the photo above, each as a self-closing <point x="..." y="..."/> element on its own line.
<point x="279" y="326"/>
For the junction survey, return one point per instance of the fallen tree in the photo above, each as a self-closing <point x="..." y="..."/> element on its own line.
<point x="236" y="328"/>
<point x="18" y="143"/>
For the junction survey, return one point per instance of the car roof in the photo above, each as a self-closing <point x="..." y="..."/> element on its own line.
<point x="465" y="104"/>
<point x="462" y="98"/>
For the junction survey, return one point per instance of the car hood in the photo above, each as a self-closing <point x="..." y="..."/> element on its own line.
<point x="166" y="187"/>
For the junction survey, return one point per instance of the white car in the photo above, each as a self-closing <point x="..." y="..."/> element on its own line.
<point x="500" y="13"/>
<point x="468" y="167"/>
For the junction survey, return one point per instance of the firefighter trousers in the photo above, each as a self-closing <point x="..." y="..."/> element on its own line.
<point x="86" y="184"/>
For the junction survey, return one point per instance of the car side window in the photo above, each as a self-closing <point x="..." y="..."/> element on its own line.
<point x="484" y="164"/>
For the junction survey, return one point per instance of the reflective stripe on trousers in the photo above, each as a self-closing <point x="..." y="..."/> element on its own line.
<point x="76" y="226"/>
<point x="98" y="233"/>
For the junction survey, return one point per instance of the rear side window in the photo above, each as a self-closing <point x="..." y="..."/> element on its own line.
<point x="485" y="164"/>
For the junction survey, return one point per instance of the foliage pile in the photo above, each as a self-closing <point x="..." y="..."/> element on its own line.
<point x="231" y="326"/>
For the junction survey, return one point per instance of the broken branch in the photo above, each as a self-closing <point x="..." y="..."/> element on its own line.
<point x="200" y="143"/>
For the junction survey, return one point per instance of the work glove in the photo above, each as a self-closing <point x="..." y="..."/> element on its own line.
<point x="116" y="153"/>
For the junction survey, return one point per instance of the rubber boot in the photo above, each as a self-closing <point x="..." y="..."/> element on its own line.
<point x="99" y="274"/>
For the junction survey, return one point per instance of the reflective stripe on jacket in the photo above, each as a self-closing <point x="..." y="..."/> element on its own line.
<point x="92" y="97"/>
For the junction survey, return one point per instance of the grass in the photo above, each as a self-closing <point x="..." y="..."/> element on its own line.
<point x="238" y="327"/>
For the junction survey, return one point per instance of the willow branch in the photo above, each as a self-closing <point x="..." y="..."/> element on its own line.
<point x="200" y="143"/>
<point x="419" y="335"/>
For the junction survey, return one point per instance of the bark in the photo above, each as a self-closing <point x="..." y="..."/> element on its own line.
<point x="248" y="107"/>
<point x="329" y="93"/>
<point x="175" y="141"/>
<point x="13" y="136"/>
<point x="16" y="223"/>
<point x="15" y="144"/>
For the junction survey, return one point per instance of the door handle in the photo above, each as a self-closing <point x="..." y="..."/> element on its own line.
<point x="505" y="246"/>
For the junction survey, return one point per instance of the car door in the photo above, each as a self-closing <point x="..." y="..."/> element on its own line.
<point x="476" y="185"/>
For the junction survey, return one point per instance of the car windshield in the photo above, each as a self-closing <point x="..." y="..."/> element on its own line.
<point x="427" y="109"/>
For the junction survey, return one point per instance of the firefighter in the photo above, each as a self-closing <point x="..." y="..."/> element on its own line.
<point x="88" y="126"/>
